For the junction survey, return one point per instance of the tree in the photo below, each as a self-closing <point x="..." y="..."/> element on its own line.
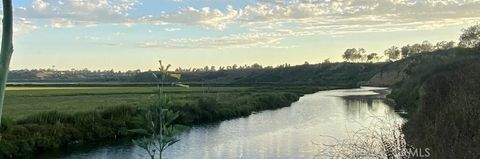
<point x="444" y="45"/>
<point x="372" y="57"/>
<point x="360" y="54"/>
<point x="353" y="54"/>
<point x="415" y="49"/>
<point x="160" y="132"/>
<point x="470" y="37"/>
<point x="406" y="51"/>
<point x="426" y="46"/>
<point x="392" y="53"/>
<point x="256" y="66"/>
<point x="348" y="54"/>
<point x="6" y="49"/>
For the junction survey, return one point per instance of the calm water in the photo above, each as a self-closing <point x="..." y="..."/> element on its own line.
<point x="291" y="132"/>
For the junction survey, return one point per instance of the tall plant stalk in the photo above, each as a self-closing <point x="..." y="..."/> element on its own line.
<point x="160" y="133"/>
<point x="6" y="50"/>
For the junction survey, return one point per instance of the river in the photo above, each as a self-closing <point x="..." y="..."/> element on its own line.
<point x="297" y="131"/>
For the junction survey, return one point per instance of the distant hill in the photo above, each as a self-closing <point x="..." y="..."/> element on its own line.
<point x="324" y="74"/>
<point x="331" y="74"/>
<point x="316" y="74"/>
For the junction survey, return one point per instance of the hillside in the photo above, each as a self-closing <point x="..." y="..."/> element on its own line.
<point x="447" y="118"/>
<point x="440" y="92"/>
<point x="407" y="75"/>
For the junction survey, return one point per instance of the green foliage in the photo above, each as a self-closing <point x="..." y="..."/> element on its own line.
<point x="53" y="130"/>
<point x="354" y="54"/>
<point x="392" y="53"/>
<point x="419" y="68"/>
<point x="159" y="131"/>
<point x="448" y="113"/>
<point x="470" y="37"/>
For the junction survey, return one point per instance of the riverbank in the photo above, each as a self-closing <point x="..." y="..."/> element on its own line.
<point x="59" y="129"/>
<point x="448" y="108"/>
<point x="440" y="96"/>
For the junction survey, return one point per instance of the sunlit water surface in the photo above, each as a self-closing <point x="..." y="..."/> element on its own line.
<point x="290" y="132"/>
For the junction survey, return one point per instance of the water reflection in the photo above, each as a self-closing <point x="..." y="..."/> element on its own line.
<point x="361" y="108"/>
<point x="284" y="133"/>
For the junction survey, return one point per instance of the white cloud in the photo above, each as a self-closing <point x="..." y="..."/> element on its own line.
<point x="99" y="41"/>
<point x="265" y="22"/>
<point x="303" y="13"/>
<point x="23" y="25"/>
<point x="172" y="29"/>
<point x="61" y="23"/>
<point x="205" y="17"/>
<point x="79" y="12"/>
<point x="243" y="40"/>
<point x="39" y="4"/>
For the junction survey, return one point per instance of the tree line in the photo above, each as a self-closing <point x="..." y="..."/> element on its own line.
<point x="470" y="38"/>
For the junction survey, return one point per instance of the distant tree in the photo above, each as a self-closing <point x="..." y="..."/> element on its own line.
<point x="392" y="53"/>
<point x="426" y="46"/>
<point x="372" y="57"/>
<point x="444" y="45"/>
<point x="416" y="48"/>
<point x="306" y="63"/>
<point x="406" y="51"/>
<point x="326" y="60"/>
<point x="354" y="54"/>
<point x="470" y="37"/>
<point x="256" y="66"/>
<point x="360" y="54"/>
<point x="348" y="55"/>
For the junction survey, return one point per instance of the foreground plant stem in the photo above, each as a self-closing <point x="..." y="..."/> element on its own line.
<point x="6" y="50"/>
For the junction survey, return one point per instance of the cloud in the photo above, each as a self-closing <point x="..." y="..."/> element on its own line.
<point x="23" y="26"/>
<point x="303" y="13"/>
<point x="39" y="4"/>
<point x="243" y="40"/>
<point x="316" y="13"/>
<point x="69" y="13"/>
<point x="205" y="17"/>
<point x="262" y="23"/>
<point x="99" y="41"/>
<point x="172" y="29"/>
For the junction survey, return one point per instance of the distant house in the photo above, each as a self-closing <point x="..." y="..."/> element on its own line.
<point x="43" y="75"/>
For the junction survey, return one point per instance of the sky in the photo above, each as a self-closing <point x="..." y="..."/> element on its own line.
<point x="135" y="34"/>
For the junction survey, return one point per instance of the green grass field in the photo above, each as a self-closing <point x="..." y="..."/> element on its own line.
<point x="23" y="101"/>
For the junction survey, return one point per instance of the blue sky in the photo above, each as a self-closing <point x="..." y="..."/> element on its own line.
<point x="134" y="34"/>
